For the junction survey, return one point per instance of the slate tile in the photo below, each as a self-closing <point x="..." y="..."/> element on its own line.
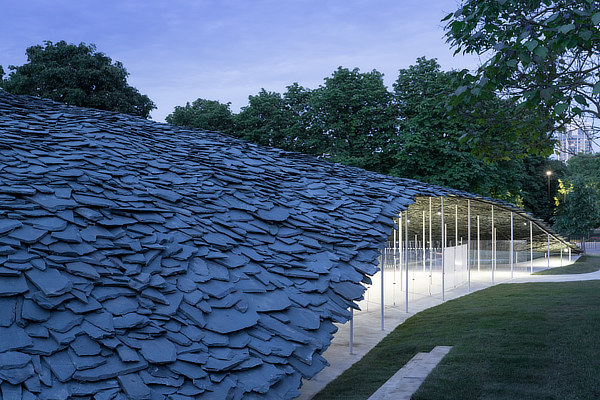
<point x="7" y="310"/>
<point x="49" y="223"/>
<point x="84" y="346"/>
<point x="61" y="365"/>
<point x="121" y="305"/>
<point x="191" y="371"/>
<point x="27" y="234"/>
<point x="43" y="346"/>
<point x="127" y="354"/>
<point x="158" y="351"/>
<point x="13" y="338"/>
<point x="111" y="369"/>
<point x="31" y="311"/>
<point x="69" y="234"/>
<point x="50" y="282"/>
<point x="14" y="359"/>
<point x="37" y="331"/>
<point x="7" y="225"/>
<point x="134" y="387"/>
<point x="11" y="392"/>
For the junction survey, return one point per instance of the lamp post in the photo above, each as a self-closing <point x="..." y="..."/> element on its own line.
<point x="548" y="174"/>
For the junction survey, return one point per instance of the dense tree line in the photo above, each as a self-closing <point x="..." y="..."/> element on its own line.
<point x="353" y="119"/>
<point x="77" y="75"/>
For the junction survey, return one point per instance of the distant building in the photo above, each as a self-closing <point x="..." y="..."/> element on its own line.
<point x="573" y="141"/>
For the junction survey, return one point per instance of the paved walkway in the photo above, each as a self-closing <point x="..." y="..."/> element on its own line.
<point x="407" y="380"/>
<point x="367" y="327"/>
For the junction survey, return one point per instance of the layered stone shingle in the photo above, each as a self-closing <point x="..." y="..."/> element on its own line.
<point x="144" y="261"/>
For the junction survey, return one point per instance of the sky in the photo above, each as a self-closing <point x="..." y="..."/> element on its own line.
<point x="179" y="50"/>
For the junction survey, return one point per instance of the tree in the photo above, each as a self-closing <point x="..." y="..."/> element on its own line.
<point x="578" y="198"/>
<point x="77" y="75"/>
<point x="353" y="119"/>
<point x="544" y="54"/>
<point x="429" y="146"/>
<point x="203" y="114"/>
<point x="579" y="211"/>
<point x="271" y="119"/>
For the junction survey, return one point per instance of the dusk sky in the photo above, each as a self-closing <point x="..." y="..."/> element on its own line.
<point x="177" y="51"/>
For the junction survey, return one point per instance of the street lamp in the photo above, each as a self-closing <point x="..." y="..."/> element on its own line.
<point x="548" y="174"/>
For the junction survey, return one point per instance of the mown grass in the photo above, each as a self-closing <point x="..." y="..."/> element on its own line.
<point x="583" y="265"/>
<point x="511" y="341"/>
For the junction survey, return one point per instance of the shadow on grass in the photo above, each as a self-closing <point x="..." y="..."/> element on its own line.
<point x="583" y="265"/>
<point x="511" y="341"/>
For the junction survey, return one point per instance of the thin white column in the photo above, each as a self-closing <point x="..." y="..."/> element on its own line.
<point x="382" y="294"/>
<point x="478" y="247"/>
<point x="443" y="251"/>
<point x="531" y="245"/>
<point x="424" y="240"/>
<point x="469" y="242"/>
<point x="401" y="244"/>
<point x="351" y="329"/>
<point x="569" y="254"/>
<point x="561" y="254"/>
<point x="493" y="246"/>
<point x="430" y="243"/>
<point x="548" y="250"/>
<point x="406" y="255"/>
<point x="455" y="239"/>
<point x="512" y="246"/>
<point x="395" y="247"/>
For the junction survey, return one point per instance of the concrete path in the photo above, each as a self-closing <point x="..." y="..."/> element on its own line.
<point x="367" y="327"/>
<point x="407" y="380"/>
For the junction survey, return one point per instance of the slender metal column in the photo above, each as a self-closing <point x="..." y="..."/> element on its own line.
<point x="531" y="245"/>
<point x="406" y="255"/>
<point x="548" y="250"/>
<point x="561" y="254"/>
<point x="395" y="248"/>
<point x="424" y="262"/>
<point x="512" y="246"/>
<point x="478" y="247"/>
<point x="469" y="242"/>
<point x="455" y="240"/>
<point x="351" y="330"/>
<point x="443" y="252"/>
<point x="569" y="254"/>
<point x="382" y="291"/>
<point x="401" y="246"/>
<point x="430" y="242"/>
<point x="493" y="247"/>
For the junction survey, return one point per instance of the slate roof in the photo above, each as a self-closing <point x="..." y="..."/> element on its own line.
<point x="144" y="261"/>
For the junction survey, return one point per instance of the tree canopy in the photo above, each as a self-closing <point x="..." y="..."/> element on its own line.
<point x="544" y="54"/>
<point x="578" y="198"/>
<point x="353" y="118"/>
<point x="204" y="114"/>
<point x="76" y="75"/>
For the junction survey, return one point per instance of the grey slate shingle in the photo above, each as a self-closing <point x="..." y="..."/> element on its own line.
<point x="144" y="261"/>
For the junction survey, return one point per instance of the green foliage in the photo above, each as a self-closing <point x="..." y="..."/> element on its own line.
<point x="544" y="54"/>
<point x="203" y="114"/>
<point x="578" y="200"/>
<point x="355" y="120"/>
<point x="579" y="212"/>
<point x="353" y="116"/>
<point x="429" y="146"/>
<point x="77" y="75"/>
<point x="271" y="119"/>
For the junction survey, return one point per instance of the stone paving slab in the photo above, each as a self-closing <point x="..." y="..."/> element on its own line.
<point x="409" y="378"/>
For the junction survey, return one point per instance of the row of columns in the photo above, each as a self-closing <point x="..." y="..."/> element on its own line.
<point x="403" y="251"/>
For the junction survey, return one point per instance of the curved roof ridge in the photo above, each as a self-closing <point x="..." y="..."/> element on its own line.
<point x="142" y="260"/>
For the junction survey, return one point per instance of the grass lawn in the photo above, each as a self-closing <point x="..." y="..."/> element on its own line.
<point x="583" y="265"/>
<point x="511" y="341"/>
